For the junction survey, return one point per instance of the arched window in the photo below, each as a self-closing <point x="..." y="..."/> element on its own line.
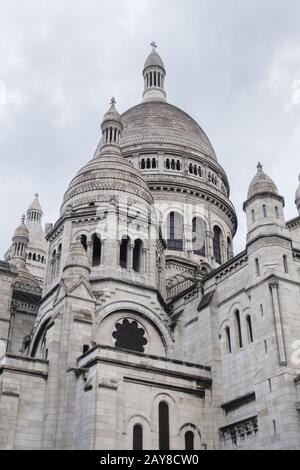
<point x="97" y="248"/>
<point x="168" y="164"/>
<point x="239" y="329"/>
<point x="143" y="165"/>
<point x="137" y="437"/>
<point x="173" y="165"/>
<point x="34" y="257"/>
<point x="228" y="339"/>
<point x="265" y="211"/>
<point x="148" y="164"/>
<point x="249" y="328"/>
<point x="29" y="256"/>
<point x="285" y="264"/>
<point x="199" y="233"/>
<point x="191" y="168"/>
<point x="175" y="231"/>
<point x="217" y="245"/>
<point x="178" y="165"/>
<point x="153" y="163"/>
<point x="124" y="252"/>
<point x="137" y="256"/>
<point x="164" y="431"/>
<point x="189" y="438"/>
<point x="58" y="260"/>
<point x="83" y="241"/>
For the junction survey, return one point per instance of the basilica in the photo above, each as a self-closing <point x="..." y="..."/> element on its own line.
<point x="130" y="323"/>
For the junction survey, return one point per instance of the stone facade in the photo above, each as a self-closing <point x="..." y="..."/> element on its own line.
<point x="139" y="327"/>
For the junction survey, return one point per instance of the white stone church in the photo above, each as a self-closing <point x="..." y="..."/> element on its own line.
<point x="130" y="323"/>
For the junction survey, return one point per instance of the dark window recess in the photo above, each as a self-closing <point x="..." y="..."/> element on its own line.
<point x="137" y="256"/>
<point x="85" y="348"/>
<point x="124" y="252"/>
<point x="96" y="250"/>
<point x="189" y="440"/>
<point x="137" y="437"/>
<point x="83" y="241"/>
<point x="217" y="245"/>
<point x="130" y="336"/>
<point x="239" y="328"/>
<point x="164" y="432"/>
<point x="175" y="232"/>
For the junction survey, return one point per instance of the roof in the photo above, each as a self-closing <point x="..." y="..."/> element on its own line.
<point x="262" y="183"/>
<point x="154" y="60"/>
<point x="159" y="123"/>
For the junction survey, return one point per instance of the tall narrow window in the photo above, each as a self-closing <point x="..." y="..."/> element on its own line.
<point x="257" y="267"/>
<point x="249" y="328"/>
<point x="137" y="437"/>
<point x="253" y="215"/>
<point x="276" y="212"/>
<point x="229" y="249"/>
<point x="265" y="211"/>
<point x="164" y="431"/>
<point x="285" y="264"/>
<point x="239" y="328"/>
<point x="83" y="241"/>
<point x="175" y="232"/>
<point x="189" y="440"/>
<point x="96" y="250"/>
<point x="217" y="245"/>
<point x="199" y="233"/>
<point x="137" y="256"/>
<point x="124" y="252"/>
<point x="228" y="339"/>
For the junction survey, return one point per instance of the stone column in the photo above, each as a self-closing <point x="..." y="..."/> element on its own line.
<point x="274" y="287"/>
<point x="90" y="251"/>
<point x="209" y="246"/>
<point x="144" y="261"/>
<point x="130" y="256"/>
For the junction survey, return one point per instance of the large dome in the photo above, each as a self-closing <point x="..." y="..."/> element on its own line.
<point x="159" y="123"/>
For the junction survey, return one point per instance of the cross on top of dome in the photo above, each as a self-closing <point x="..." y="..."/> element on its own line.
<point x="154" y="46"/>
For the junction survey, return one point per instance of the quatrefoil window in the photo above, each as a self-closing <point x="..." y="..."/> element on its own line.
<point x="130" y="335"/>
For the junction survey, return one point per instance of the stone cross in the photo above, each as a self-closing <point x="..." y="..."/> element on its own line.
<point x="154" y="45"/>
<point x="113" y="101"/>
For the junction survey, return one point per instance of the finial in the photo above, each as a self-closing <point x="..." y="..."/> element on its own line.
<point x="23" y="218"/>
<point x="36" y="196"/>
<point x="154" y="46"/>
<point x="113" y="101"/>
<point x="259" y="166"/>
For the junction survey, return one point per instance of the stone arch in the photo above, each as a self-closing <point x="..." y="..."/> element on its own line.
<point x="128" y="426"/>
<point x="142" y="312"/>
<point x="197" y="434"/>
<point x="172" y="404"/>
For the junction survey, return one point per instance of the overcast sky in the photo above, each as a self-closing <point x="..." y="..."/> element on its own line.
<point x="233" y="65"/>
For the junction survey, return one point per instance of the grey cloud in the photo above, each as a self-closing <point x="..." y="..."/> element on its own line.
<point x="229" y="64"/>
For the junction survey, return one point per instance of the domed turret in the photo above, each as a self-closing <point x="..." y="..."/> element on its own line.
<point x="261" y="184"/>
<point x="19" y="244"/>
<point x="34" y="212"/>
<point x="154" y="77"/>
<point x="111" y="130"/>
<point x="264" y="205"/>
<point x="108" y="172"/>
<point x="297" y="200"/>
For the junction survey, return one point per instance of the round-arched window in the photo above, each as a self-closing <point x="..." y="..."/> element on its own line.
<point x="130" y="335"/>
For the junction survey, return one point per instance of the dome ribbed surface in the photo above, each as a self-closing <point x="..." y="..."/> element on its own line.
<point x="155" y="123"/>
<point x="262" y="183"/>
<point x="108" y="173"/>
<point x="154" y="60"/>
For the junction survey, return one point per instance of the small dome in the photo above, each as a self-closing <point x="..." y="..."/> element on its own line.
<point x="262" y="183"/>
<point x="35" y="205"/>
<point x="112" y="114"/>
<point x="106" y="173"/>
<point x="154" y="60"/>
<point x="22" y="231"/>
